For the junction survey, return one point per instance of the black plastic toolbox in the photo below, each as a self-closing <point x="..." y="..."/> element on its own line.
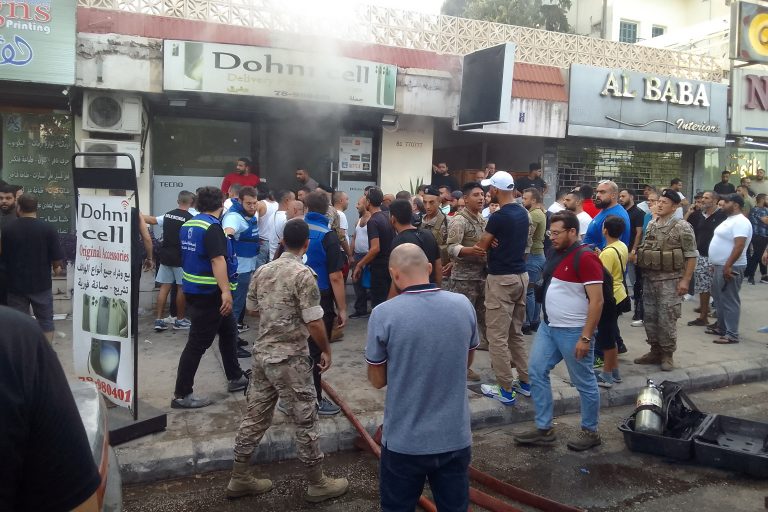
<point x="735" y="444"/>
<point x="676" y="442"/>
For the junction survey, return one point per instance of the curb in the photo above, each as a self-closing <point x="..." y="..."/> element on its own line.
<point x="185" y="457"/>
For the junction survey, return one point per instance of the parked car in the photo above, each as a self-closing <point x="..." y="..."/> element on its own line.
<point x="93" y="412"/>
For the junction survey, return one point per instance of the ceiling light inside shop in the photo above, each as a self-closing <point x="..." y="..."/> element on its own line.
<point x="177" y="102"/>
<point x="389" y="120"/>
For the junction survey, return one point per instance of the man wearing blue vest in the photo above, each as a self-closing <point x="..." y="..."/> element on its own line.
<point x="242" y="223"/>
<point x="326" y="258"/>
<point x="209" y="275"/>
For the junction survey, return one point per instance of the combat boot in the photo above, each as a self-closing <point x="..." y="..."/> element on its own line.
<point x="243" y="483"/>
<point x="667" y="364"/>
<point x="652" y="357"/>
<point x="323" y="488"/>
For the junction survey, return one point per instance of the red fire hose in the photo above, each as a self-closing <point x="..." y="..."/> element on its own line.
<point x="518" y="494"/>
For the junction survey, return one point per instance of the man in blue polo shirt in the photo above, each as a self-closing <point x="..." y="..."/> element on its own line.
<point x="426" y="426"/>
<point x="607" y="201"/>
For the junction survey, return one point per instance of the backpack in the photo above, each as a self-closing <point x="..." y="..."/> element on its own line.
<point x="609" y="301"/>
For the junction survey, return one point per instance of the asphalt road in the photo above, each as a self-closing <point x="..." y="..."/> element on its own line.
<point x="608" y="479"/>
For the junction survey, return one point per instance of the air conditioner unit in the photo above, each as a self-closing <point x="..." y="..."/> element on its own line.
<point x="110" y="161"/>
<point x="109" y="112"/>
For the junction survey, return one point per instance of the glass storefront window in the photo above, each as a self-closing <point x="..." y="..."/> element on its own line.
<point x="198" y="147"/>
<point x="741" y="162"/>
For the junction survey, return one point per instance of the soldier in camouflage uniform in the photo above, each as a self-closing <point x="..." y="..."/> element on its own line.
<point x="436" y="222"/>
<point x="667" y="256"/>
<point x="285" y="293"/>
<point x="468" y="275"/>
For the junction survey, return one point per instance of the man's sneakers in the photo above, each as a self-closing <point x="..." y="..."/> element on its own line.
<point x="604" y="380"/>
<point x="327" y="408"/>
<point x="637" y="323"/>
<point x="242" y="353"/>
<point x="537" y="436"/>
<point x="181" y="324"/>
<point x="764" y="279"/>
<point x="357" y="315"/>
<point x="472" y="375"/>
<point x="237" y="384"/>
<point x="241" y="328"/>
<point x="190" y="402"/>
<point x="160" y="325"/>
<point x="585" y="440"/>
<point x="521" y="387"/>
<point x="498" y="393"/>
<point x="598" y="362"/>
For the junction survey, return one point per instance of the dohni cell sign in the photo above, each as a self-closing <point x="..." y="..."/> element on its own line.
<point x="103" y="345"/>
<point x="277" y="73"/>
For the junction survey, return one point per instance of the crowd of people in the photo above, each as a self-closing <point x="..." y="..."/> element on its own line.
<point x="490" y="251"/>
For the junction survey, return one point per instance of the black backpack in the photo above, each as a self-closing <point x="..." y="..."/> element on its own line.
<point x="609" y="301"/>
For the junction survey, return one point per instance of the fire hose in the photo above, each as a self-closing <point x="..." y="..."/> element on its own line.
<point x="477" y="497"/>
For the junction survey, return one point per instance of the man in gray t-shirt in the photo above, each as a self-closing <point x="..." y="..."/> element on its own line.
<point x="424" y="366"/>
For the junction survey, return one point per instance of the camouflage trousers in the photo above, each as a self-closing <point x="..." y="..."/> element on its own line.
<point x="474" y="290"/>
<point x="661" y="305"/>
<point x="290" y="381"/>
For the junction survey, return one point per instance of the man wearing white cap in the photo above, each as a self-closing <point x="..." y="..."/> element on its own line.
<point x="505" y="289"/>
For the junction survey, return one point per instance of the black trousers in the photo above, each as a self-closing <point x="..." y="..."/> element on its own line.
<point x="759" y="244"/>
<point x="329" y="315"/>
<point x="3" y="288"/>
<point x="380" y="282"/>
<point x="361" y="293"/>
<point x="207" y="322"/>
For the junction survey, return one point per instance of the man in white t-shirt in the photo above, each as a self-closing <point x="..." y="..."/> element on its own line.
<point x="341" y="203"/>
<point x="360" y="248"/>
<point x="284" y="198"/>
<point x="728" y="256"/>
<point x="573" y="202"/>
<point x="267" y="208"/>
<point x="677" y="185"/>
<point x="559" y="204"/>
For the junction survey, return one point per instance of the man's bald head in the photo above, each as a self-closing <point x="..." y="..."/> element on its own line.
<point x="409" y="266"/>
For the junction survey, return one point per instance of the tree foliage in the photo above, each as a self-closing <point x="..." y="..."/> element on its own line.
<point x="525" y="13"/>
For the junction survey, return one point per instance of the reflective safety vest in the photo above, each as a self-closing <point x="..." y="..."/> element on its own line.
<point x="247" y="242"/>
<point x="197" y="271"/>
<point x="316" y="257"/>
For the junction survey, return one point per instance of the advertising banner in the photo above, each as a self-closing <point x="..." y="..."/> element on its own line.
<point x="277" y="73"/>
<point x="355" y="154"/>
<point x="749" y="24"/>
<point x="749" y="87"/>
<point x="628" y="105"/>
<point x="103" y="345"/>
<point x="37" y="41"/>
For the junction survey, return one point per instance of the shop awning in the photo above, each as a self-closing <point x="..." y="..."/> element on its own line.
<point x="534" y="82"/>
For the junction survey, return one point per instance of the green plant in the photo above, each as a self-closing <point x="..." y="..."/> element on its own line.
<point x="414" y="187"/>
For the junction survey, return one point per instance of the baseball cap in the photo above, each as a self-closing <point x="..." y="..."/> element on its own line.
<point x="501" y="180"/>
<point x="672" y="195"/>
<point x="734" y="198"/>
<point x="431" y="191"/>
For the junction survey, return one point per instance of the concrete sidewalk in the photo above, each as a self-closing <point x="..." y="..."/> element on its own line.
<point x="202" y="440"/>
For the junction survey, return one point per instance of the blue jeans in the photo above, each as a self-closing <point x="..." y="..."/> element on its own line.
<point x="535" y="265"/>
<point x="402" y="480"/>
<point x="552" y="345"/>
<point x="240" y="293"/>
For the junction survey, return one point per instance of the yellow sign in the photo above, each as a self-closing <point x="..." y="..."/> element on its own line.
<point x="750" y="32"/>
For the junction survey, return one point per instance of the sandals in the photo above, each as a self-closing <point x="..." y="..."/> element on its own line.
<point x="714" y="330"/>
<point x="725" y="340"/>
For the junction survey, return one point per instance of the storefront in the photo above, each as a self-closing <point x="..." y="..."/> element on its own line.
<point x="284" y="109"/>
<point x="37" y="69"/>
<point x="746" y="148"/>
<point x="636" y="128"/>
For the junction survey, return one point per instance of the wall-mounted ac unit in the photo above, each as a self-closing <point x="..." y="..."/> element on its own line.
<point x="110" y="161"/>
<point x="109" y="112"/>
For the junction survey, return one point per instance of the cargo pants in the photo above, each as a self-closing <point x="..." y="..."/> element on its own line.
<point x="504" y="317"/>
<point x="474" y="290"/>
<point x="661" y="305"/>
<point x="289" y="380"/>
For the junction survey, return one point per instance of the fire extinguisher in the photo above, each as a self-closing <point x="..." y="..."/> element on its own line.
<point x="648" y="410"/>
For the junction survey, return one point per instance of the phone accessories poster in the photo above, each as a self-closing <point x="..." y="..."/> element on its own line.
<point x="103" y="346"/>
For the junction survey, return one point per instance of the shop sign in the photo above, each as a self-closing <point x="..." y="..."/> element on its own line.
<point x="749" y="87"/>
<point x="619" y="104"/>
<point x="277" y="73"/>
<point x="37" y="41"/>
<point x="355" y="154"/>
<point x="749" y="32"/>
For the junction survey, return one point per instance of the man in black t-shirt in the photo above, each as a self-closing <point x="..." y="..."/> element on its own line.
<point x="169" y="257"/>
<point x="505" y="288"/>
<point x="441" y="177"/>
<point x="47" y="460"/>
<point x="724" y="187"/>
<point x="7" y="215"/>
<point x="30" y="248"/>
<point x="380" y="235"/>
<point x="533" y="180"/>
<point x="400" y="213"/>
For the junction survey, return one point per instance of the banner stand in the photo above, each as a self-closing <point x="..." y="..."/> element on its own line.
<point x="139" y="419"/>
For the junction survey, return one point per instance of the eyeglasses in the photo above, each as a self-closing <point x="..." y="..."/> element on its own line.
<point x="555" y="234"/>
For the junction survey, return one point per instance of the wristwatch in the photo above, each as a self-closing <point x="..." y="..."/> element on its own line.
<point x="585" y="339"/>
